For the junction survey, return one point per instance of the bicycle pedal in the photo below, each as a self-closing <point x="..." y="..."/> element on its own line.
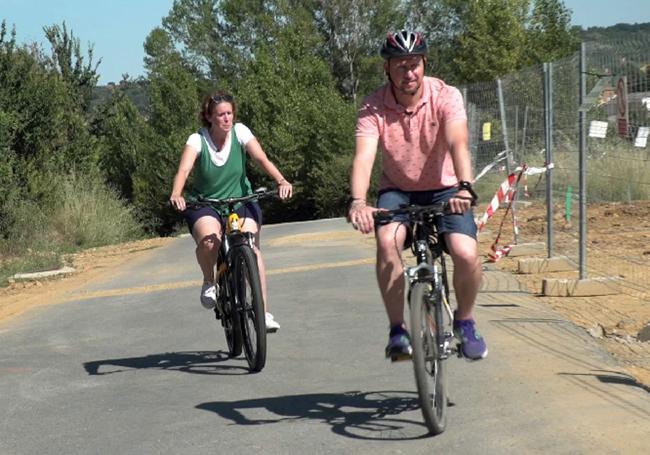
<point x="400" y="357"/>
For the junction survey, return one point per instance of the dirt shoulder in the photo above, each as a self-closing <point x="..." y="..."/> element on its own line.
<point x="618" y="247"/>
<point x="89" y="265"/>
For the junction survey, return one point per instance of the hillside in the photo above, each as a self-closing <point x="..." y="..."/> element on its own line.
<point x="618" y="32"/>
<point x="135" y="90"/>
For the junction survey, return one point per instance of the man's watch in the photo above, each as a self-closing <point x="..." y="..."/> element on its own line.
<point x="467" y="186"/>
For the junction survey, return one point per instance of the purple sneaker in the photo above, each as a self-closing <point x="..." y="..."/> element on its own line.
<point x="399" y="344"/>
<point x="472" y="343"/>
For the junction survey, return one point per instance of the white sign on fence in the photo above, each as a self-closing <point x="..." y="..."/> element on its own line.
<point x="642" y="136"/>
<point x="598" y="129"/>
<point x="646" y="102"/>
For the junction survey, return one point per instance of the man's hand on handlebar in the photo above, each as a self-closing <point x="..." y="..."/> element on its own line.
<point x="461" y="202"/>
<point x="360" y="215"/>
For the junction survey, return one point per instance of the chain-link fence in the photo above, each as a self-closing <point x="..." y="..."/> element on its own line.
<point x="587" y="118"/>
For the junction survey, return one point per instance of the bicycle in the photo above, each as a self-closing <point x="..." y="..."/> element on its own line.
<point x="431" y="317"/>
<point x="240" y="304"/>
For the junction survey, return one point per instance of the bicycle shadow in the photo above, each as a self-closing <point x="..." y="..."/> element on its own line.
<point x="354" y="414"/>
<point x="195" y="362"/>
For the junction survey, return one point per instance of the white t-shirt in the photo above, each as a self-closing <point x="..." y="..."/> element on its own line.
<point x="219" y="157"/>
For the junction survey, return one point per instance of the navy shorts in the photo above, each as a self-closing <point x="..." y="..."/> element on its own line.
<point x="462" y="223"/>
<point x="248" y="210"/>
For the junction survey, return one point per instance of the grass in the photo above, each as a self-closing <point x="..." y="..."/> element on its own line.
<point x="616" y="172"/>
<point x="83" y="213"/>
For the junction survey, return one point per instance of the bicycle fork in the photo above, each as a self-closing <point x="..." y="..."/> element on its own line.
<point x="425" y="272"/>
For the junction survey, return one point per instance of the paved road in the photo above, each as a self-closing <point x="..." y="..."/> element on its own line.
<point x="134" y="365"/>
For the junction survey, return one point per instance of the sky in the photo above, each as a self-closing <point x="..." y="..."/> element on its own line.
<point x="118" y="28"/>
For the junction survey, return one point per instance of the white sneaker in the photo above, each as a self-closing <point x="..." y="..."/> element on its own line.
<point x="272" y="325"/>
<point x="208" y="296"/>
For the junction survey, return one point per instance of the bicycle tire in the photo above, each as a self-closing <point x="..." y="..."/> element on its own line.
<point x="251" y="304"/>
<point x="230" y="320"/>
<point x="429" y="367"/>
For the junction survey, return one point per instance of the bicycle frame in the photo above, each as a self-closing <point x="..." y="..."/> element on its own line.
<point x="233" y="236"/>
<point x="430" y="313"/>
<point x="429" y="253"/>
<point x="240" y="302"/>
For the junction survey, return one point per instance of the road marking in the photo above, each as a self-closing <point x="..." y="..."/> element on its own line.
<point x="328" y="265"/>
<point x="196" y="283"/>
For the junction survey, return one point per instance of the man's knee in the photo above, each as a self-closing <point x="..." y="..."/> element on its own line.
<point x="390" y="239"/>
<point x="463" y="249"/>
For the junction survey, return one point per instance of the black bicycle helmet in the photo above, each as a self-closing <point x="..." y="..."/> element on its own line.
<point x="402" y="44"/>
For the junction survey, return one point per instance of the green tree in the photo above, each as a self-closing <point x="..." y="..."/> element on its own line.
<point x="122" y="133"/>
<point x="550" y="35"/>
<point x="289" y="99"/>
<point x="491" y="43"/>
<point x="172" y="88"/>
<point x="68" y="60"/>
<point x="353" y="32"/>
<point x="441" y="22"/>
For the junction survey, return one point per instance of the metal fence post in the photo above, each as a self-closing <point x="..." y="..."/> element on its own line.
<point x="582" y="168"/>
<point x="523" y="134"/>
<point x="502" y="110"/>
<point x="548" y="140"/>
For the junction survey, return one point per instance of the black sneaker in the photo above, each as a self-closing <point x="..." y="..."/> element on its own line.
<point x="399" y="345"/>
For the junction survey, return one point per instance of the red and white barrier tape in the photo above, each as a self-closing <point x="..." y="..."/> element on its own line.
<point x="510" y="185"/>
<point x="497" y="253"/>
<point x="506" y="190"/>
<point x="506" y="194"/>
<point x="502" y="195"/>
<point x="500" y="157"/>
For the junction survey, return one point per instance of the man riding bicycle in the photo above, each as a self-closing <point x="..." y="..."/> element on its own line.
<point x="421" y="125"/>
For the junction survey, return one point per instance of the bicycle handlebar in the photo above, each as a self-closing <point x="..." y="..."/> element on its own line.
<point x="261" y="193"/>
<point x="414" y="212"/>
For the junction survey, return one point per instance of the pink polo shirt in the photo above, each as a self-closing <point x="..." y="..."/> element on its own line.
<point x="415" y="153"/>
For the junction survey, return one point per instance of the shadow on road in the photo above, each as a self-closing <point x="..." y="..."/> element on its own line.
<point x="611" y="377"/>
<point x="354" y="414"/>
<point x="196" y="362"/>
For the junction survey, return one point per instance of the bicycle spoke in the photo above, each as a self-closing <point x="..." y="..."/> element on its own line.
<point x="427" y="363"/>
<point x="252" y="313"/>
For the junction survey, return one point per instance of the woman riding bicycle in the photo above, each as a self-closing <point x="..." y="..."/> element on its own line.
<point x="217" y="152"/>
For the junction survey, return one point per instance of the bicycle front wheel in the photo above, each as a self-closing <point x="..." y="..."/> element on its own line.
<point x="251" y="304"/>
<point x="230" y="320"/>
<point x="427" y="333"/>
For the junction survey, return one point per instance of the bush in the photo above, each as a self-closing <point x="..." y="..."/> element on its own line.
<point x="80" y="212"/>
<point x="89" y="214"/>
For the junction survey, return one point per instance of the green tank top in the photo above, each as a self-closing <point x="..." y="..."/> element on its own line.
<point x="218" y="182"/>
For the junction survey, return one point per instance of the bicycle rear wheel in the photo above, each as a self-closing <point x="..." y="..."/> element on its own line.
<point x="251" y="303"/>
<point x="427" y="335"/>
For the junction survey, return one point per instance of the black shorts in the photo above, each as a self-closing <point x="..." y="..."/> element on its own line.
<point x="248" y="210"/>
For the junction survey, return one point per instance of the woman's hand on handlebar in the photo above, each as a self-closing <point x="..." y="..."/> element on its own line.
<point x="285" y="189"/>
<point x="178" y="202"/>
